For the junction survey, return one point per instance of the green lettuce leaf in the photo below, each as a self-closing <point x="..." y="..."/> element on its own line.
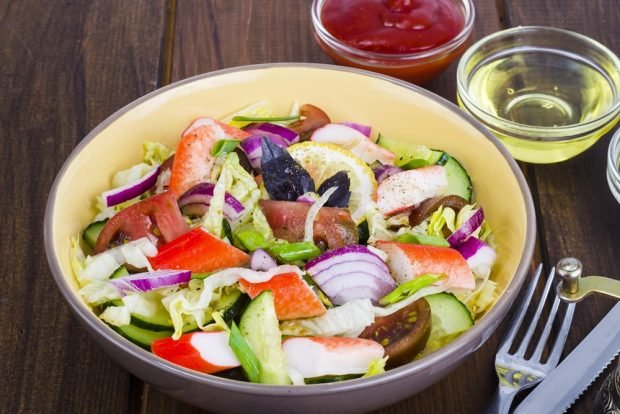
<point x="116" y="315"/>
<point x="155" y="153"/>
<point x="377" y="225"/>
<point x="236" y="181"/>
<point x="376" y="366"/>
<point x="261" y="108"/>
<point x="443" y="217"/>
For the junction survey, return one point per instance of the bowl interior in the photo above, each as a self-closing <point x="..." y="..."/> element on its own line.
<point x="406" y="113"/>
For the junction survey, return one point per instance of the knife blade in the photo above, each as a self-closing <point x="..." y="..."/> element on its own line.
<point x="557" y="392"/>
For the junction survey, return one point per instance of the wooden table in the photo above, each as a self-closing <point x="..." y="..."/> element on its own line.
<point x="66" y="65"/>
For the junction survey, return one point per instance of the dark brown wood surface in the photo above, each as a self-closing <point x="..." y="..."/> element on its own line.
<point x="66" y="65"/>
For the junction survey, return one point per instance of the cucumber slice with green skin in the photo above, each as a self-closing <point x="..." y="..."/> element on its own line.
<point x="459" y="182"/>
<point x="330" y="378"/>
<point x="232" y="312"/>
<point x="140" y="336"/>
<point x="259" y="325"/>
<point x="408" y="155"/>
<point x="450" y="316"/>
<point x="120" y="272"/>
<point x="91" y="233"/>
<point x="228" y="304"/>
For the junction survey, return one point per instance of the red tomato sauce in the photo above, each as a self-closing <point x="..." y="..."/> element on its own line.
<point x="393" y="26"/>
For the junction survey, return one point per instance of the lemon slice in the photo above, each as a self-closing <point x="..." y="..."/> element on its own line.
<point x="323" y="160"/>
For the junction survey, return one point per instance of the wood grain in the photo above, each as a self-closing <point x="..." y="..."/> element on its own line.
<point x="577" y="214"/>
<point x="64" y="67"/>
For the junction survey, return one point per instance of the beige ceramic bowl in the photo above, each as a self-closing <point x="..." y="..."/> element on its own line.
<point x="395" y="108"/>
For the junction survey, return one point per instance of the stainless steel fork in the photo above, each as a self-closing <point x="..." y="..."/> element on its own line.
<point x="515" y="372"/>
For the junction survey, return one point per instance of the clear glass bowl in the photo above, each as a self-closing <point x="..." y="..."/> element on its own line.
<point x="418" y="68"/>
<point x="613" y="165"/>
<point x="548" y="94"/>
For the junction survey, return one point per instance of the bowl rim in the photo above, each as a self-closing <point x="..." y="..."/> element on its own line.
<point x="455" y="42"/>
<point x="613" y="152"/>
<point x="471" y="339"/>
<point x="524" y="131"/>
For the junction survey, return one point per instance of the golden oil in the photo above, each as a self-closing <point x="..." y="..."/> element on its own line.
<point x="541" y="89"/>
<point x="544" y="106"/>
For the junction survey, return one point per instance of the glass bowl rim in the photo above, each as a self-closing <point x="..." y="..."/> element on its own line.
<point x="613" y="152"/>
<point x="332" y="41"/>
<point x="525" y="131"/>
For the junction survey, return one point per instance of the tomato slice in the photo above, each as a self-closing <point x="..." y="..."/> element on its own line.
<point x="157" y="217"/>
<point x="199" y="252"/>
<point x="193" y="161"/>
<point x="403" y="334"/>
<point x="333" y="226"/>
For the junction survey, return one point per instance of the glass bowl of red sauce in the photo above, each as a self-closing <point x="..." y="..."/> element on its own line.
<point x="413" y="40"/>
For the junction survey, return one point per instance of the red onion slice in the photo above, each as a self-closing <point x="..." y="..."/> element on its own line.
<point x="261" y="261"/>
<point x="467" y="228"/>
<point x="364" y="129"/>
<point x="351" y="272"/>
<point x="384" y="171"/>
<point x="143" y="282"/>
<point x="201" y="194"/>
<point x="479" y="255"/>
<point x="253" y="148"/>
<point x="308" y="198"/>
<point x="261" y="128"/>
<point x="127" y="192"/>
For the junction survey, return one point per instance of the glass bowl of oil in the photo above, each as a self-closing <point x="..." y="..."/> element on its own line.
<point x="548" y="94"/>
<point x="613" y="165"/>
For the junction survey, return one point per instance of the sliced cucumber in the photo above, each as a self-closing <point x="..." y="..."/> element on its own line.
<point x="140" y="336"/>
<point x="259" y="325"/>
<point x="232" y="311"/>
<point x="120" y="272"/>
<point x="408" y="155"/>
<point x="91" y="233"/>
<point x="330" y="378"/>
<point x="229" y="304"/>
<point x="449" y="317"/>
<point x="459" y="182"/>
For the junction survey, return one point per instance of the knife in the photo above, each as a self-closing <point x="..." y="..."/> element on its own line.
<point x="561" y="388"/>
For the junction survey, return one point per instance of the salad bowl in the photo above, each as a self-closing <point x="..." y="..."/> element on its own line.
<point x="394" y="108"/>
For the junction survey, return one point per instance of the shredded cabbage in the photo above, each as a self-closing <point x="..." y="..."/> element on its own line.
<point x="195" y="300"/>
<point x="313" y="212"/>
<point x="155" y="153"/>
<point x="212" y="221"/>
<point x="144" y="304"/>
<point x="102" y="265"/>
<point x="77" y="256"/>
<point x="349" y="320"/>
<point x="443" y="217"/>
<point x="130" y="175"/>
<point x="241" y="185"/>
<point x="261" y="108"/>
<point x="116" y="315"/>
<point x="481" y="298"/>
<point x="99" y="292"/>
<point x="377" y="226"/>
<point x="398" y="220"/>
<point x="376" y="366"/>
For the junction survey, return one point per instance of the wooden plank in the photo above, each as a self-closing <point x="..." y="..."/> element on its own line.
<point x="578" y="215"/>
<point x="232" y="34"/>
<point x="64" y="67"/>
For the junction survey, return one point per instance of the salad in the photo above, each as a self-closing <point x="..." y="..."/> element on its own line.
<point x="288" y="249"/>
